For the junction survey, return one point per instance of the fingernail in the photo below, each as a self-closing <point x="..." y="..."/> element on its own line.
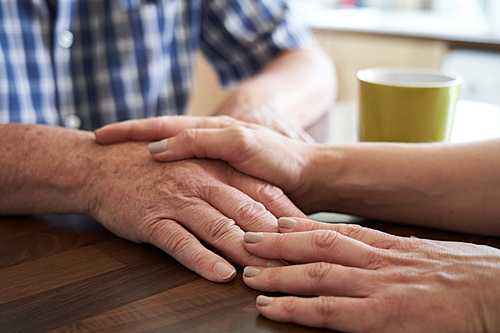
<point x="158" y="147"/>
<point x="224" y="270"/>
<point x="286" y="222"/>
<point x="251" y="271"/>
<point x="263" y="300"/>
<point x="253" y="237"/>
<point x="276" y="263"/>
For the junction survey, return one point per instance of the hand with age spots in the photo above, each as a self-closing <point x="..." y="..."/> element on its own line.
<point x="177" y="206"/>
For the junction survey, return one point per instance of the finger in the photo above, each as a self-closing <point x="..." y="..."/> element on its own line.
<point x="368" y="236"/>
<point x="226" y="144"/>
<point x="335" y="313"/>
<point x="269" y="195"/>
<point x="219" y="232"/>
<point x="249" y="214"/>
<point x="243" y="147"/>
<point x="158" y="128"/>
<point x="185" y="248"/>
<point x="314" y="246"/>
<point x="317" y="278"/>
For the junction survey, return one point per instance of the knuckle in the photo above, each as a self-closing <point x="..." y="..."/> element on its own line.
<point x="154" y="232"/>
<point x="291" y="304"/>
<point x="274" y="276"/>
<point x="325" y="239"/>
<point x="251" y="210"/>
<point x="242" y="136"/>
<point x="382" y="243"/>
<point x="351" y="230"/>
<point x="318" y="273"/>
<point x="380" y="240"/>
<point x="189" y="135"/>
<point x="226" y="120"/>
<point x="197" y="260"/>
<point x="177" y="243"/>
<point x="326" y="310"/>
<point x="375" y="260"/>
<point x="221" y="228"/>
<point x="270" y="194"/>
<point x="278" y="242"/>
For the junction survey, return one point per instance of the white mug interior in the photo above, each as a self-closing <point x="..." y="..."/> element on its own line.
<point x="409" y="77"/>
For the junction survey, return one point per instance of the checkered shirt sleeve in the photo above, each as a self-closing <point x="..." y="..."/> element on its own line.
<point x="102" y="61"/>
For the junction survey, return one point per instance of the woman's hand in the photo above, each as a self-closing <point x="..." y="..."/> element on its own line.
<point x="370" y="281"/>
<point x="249" y="148"/>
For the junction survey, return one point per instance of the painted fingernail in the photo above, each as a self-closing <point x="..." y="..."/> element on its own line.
<point x="286" y="222"/>
<point x="158" y="147"/>
<point x="263" y="300"/>
<point x="251" y="271"/>
<point x="224" y="270"/>
<point x="276" y="263"/>
<point x="253" y="237"/>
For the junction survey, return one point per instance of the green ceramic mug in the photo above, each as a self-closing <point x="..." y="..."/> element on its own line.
<point x="407" y="104"/>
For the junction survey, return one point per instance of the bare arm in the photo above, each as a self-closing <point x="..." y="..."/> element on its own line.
<point x="297" y="87"/>
<point x="44" y="169"/>
<point x="446" y="186"/>
<point x="175" y="206"/>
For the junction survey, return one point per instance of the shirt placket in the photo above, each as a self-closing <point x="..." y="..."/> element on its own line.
<point x="63" y="42"/>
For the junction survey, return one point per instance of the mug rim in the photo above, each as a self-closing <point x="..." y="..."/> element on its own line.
<point x="454" y="78"/>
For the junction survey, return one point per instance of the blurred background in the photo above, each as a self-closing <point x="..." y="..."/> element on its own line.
<point x="458" y="35"/>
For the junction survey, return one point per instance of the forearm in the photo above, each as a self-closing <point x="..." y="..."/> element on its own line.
<point x="448" y="186"/>
<point x="44" y="169"/>
<point x="300" y="84"/>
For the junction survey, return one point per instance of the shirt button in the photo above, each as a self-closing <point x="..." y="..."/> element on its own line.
<point x="65" y="39"/>
<point x="72" y="121"/>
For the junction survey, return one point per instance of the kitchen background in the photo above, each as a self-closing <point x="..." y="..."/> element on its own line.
<point x="458" y="35"/>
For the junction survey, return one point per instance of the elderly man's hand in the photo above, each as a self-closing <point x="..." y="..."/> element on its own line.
<point x="178" y="206"/>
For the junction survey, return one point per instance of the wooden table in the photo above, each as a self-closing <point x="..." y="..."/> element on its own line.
<point x="68" y="273"/>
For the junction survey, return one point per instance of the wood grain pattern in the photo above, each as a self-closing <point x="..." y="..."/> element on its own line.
<point x="69" y="274"/>
<point x="53" y="272"/>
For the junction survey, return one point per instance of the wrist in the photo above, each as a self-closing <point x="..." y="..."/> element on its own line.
<point x="323" y="169"/>
<point x="44" y="170"/>
<point x="73" y="173"/>
<point x="88" y="164"/>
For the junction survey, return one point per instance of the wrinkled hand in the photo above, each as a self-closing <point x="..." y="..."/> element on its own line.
<point x="375" y="282"/>
<point x="249" y="148"/>
<point x="178" y="206"/>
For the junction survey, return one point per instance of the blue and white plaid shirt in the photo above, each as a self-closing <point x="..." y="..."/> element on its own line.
<point x="102" y="61"/>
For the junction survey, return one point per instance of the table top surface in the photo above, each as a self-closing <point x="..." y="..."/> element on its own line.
<point x="68" y="273"/>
